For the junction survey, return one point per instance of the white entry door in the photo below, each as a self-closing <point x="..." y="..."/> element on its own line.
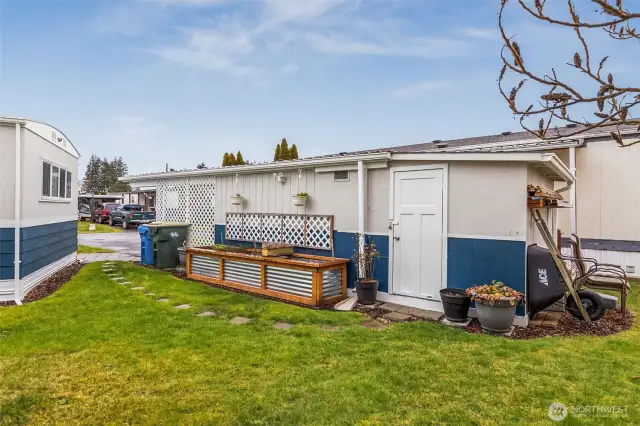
<point x="418" y="233"/>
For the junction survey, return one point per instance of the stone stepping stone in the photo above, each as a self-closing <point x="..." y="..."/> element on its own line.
<point x="183" y="306"/>
<point x="117" y="278"/>
<point x="137" y="288"/>
<point x="240" y="320"/>
<point x="375" y="325"/>
<point x="162" y="300"/>
<point x="125" y="283"/>
<point x="331" y="328"/>
<point x="282" y="325"/>
<point x="149" y="294"/>
<point x="206" y="314"/>
<point x="396" y="316"/>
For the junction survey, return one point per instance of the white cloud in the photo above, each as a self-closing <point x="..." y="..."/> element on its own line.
<point x="291" y="68"/>
<point x="424" y="47"/>
<point x="422" y="88"/>
<point x="480" y="33"/>
<point x="298" y="10"/>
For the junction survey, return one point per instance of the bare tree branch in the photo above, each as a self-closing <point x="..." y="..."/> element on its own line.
<point x="612" y="104"/>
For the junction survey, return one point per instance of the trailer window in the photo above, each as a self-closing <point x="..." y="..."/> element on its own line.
<point x="46" y="179"/>
<point x="56" y="183"/>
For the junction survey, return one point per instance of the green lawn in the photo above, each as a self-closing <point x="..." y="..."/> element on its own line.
<point x="89" y="249"/>
<point x="96" y="352"/>
<point x="83" y="228"/>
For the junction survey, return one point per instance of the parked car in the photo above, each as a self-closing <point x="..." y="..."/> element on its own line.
<point x="101" y="213"/>
<point x="130" y="215"/>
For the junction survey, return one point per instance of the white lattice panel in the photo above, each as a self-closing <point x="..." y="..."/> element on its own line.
<point x="299" y="230"/>
<point x="189" y="200"/>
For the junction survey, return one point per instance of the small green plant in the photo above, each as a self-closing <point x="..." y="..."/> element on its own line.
<point x="231" y="249"/>
<point x="495" y="293"/>
<point x="302" y="194"/>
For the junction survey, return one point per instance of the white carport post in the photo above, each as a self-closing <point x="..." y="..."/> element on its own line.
<point x="17" y="213"/>
<point x="572" y="192"/>
<point x="361" y="209"/>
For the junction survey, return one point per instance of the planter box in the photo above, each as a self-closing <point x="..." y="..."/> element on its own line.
<point x="277" y="251"/>
<point x="302" y="278"/>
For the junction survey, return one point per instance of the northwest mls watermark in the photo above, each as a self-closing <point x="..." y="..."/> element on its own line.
<point x="558" y="411"/>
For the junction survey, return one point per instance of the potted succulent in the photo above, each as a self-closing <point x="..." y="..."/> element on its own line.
<point x="495" y="305"/>
<point x="300" y="199"/>
<point x="365" y="263"/>
<point x="455" y="302"/>
<point x="236" y="199"/>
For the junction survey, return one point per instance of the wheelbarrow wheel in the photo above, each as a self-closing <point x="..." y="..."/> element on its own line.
<point x="592" y="302"/>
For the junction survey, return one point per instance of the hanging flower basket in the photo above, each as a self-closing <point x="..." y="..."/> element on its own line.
<point x="236" y="199"/>
<point x="300" y="200"/>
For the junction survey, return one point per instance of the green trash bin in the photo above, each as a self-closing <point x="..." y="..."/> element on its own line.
<point x="166" y="238"/>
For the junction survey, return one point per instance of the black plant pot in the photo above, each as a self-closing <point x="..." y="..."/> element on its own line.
<point x="367" y="291"/>
<point x="456" y="304"/>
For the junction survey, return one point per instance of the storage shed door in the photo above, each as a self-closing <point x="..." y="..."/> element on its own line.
<point x="418" y="233"/>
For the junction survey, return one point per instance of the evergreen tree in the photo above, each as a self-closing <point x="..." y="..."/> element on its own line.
<point x="285" y="154"/>
<point x="239" y="159"/>
<point x="294" y="152"/>
<point x="225" y="159"/>
<point x="202" y="166"/>
<point x="232" y="159"/>
<point x="277" y="154"/>
<point x="91" y="181"/>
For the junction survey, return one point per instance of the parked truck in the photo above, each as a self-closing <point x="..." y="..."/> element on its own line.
<point x="129" y="215"/>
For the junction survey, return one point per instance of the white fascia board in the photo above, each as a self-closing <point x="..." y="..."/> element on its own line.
<point x="351" y="166"/>
<point x="468" y="156"/>
<point x="268" y="167"/>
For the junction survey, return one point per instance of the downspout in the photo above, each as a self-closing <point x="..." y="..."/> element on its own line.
<point x="572" y="191"/>
<point x="361" y="208"/>
<point x="16" y="216"/>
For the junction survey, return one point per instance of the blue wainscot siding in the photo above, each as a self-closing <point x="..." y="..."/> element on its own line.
<point x="344" y="244"/>
<point x="44" y="244"/>
<point x="478" y="261"/>
<point x="6" y="253"/>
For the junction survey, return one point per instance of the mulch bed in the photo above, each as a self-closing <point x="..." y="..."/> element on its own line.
<point x="49" y="285"/>
<point x="612" y="322"/>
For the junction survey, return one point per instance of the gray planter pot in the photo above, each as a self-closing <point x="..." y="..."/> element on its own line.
<point x="495" y="318"/>
<point x="182" y="255"/>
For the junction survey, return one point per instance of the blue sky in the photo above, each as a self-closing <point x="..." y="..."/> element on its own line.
<point x="182" y="81"/>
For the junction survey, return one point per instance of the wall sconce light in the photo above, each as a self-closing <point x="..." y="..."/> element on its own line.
<point x="280" y="178"/>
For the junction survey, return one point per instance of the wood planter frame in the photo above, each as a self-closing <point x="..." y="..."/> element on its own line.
<point x="302" y="278"/>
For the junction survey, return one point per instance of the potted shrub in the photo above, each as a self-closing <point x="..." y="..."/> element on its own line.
<point x="495" y="305"/>
<point x="455" y="302"/>
<point x="365" y="263"/>
<point x="236" y="199"/>
<point x="300" y="199"/>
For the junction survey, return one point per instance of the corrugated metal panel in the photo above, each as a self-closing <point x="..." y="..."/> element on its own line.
<point x="242" y="273"/>
<point x="207" y="266"/>
<point x="332" y="283"/>
<point x="292" y="281"/>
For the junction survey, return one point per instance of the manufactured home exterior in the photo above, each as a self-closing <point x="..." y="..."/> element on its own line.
<point x="439" y="220"/>
<point x="38" y="204"/>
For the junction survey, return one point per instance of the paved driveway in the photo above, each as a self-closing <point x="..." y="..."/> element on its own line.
<point x="126" y="242"/>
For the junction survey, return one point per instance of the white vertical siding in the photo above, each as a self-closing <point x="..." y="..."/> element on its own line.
<point x="7" y="171"/>
<point x="263" y="194"/>
<point x="487" y="199"/>
<point x="607" y="192"/>
<point x="35" y="150"/>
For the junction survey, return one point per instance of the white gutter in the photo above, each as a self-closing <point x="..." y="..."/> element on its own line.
<point x="17" y="215"/>
<point x="573" y="217"/>
<point x="361" y="208"/>
<point x="267" y="167"/>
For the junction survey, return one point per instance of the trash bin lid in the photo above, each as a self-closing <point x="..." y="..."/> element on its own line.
<point x="143" y="229"/>
<point x="168" y="225"/>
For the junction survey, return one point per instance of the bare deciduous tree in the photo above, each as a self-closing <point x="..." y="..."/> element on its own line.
<point x="611" y="104"/>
